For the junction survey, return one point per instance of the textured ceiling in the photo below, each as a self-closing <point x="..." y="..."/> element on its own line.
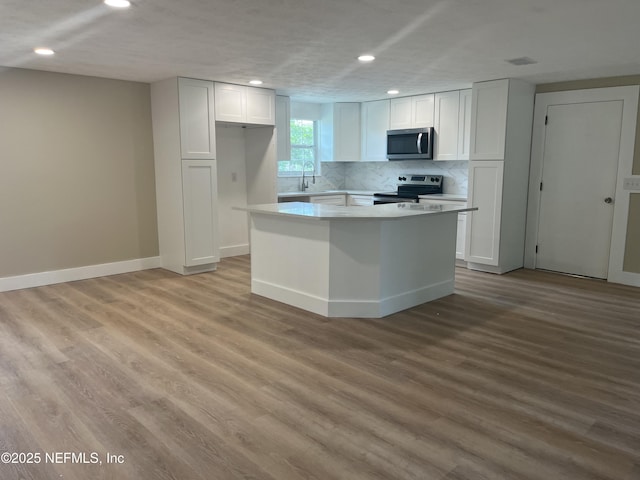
<point x="307" y="49"/>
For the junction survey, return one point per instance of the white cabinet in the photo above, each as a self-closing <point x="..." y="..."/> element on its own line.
<point x="261" y="108"/>
<point x="452" y="125"/>
<point x="464" y="124"/>
<point x="199" y="191"/>
<point x="447" y="110"/>
<point x="501" y="120"/>
<point x="359" y="200"/>
<point x="375" y="123"/>
<point x="340" y="132"/>
<point x="462" y="224"/>
<point x="489" y="120"/>
<point x="422" y="110"/>
<point x="283" y="128"/>
<point x="186" y="188"/>
<point x="246" y="105"/>
<point x="400" y="113"/>
<point x="411" y="112"/>
<point x="329" y="199"/>
<point x="197" y="131"/>
<point x="485" y="193"/>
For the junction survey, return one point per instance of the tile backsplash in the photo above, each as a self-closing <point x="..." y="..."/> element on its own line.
<point x="381" y="176"/>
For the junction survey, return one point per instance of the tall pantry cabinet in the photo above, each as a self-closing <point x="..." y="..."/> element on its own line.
<point x="185" y="167"/>
<point x="501" y="121"/>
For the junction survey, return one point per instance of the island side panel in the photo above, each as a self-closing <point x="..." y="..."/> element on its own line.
<point x="354" y="276"/>
<point x="290" y="260"/>
<point x="417" y="259"/>
<point x="383" y="266"/>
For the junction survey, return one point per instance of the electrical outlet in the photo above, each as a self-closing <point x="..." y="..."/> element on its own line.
<point x="632" y="183"/>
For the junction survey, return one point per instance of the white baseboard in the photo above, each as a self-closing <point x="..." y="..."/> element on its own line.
<point x="80" y="273"/>
<point x="625" y="278"/>
<point x="373" y="308"/>
<point x="234" y="250"/>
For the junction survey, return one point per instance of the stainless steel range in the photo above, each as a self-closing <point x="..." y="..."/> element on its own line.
<point x="411" y="187"/>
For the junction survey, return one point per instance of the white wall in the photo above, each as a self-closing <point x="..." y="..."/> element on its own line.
<point x="232" y="190"/>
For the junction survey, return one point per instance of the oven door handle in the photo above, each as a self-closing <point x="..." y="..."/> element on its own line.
<point x="419" y="142"/>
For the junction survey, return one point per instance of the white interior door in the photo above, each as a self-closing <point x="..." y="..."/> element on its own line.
<point x="579" y="170"/>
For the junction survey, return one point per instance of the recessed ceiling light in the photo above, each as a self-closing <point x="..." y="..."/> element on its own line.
<point x="255" y="82"/>
<point x="43" y="51"/>
<point x="118" y="3"/>
<point x="393" y="92"/>
<point x="366" y="58"/>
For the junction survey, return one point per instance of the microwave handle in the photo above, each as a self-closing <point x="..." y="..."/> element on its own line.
<point x="419" y="142"/>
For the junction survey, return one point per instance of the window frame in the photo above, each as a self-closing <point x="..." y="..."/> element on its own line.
<point x="316" y="161"/>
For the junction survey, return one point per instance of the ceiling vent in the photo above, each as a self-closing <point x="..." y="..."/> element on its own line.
<point x="521" y="61"/>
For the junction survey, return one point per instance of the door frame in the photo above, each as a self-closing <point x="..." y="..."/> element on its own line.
<point x="629" y="96"/>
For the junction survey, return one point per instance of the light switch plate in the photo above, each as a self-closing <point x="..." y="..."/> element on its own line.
<point x="632" y="183"/>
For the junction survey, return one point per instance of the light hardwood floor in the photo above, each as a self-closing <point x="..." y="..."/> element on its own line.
<point x="528" y="375"/>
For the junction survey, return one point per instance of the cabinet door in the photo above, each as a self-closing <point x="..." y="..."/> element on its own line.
<point x="422" y="111"/>
<point x="231" y="103"/>
<point x="375" y="123"/>
<point x="360" y="200"/>
<point x="461" y="235"/>
<point x="261" y="106"/>
<point x="447" y="109"/>
<point x="464" y="125"/>
<point x="489" y="120"/>
<point x="346" y="132"/>
<point x="197" y="123"/>
<point x="199" y="192"/>
<point x="329" y="199"/>
<point x="483" y="225"/>
<point x="283" y="128"/>
<point x="400" y="115"/>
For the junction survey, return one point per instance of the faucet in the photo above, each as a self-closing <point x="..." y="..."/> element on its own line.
<point x="304" y="185"/>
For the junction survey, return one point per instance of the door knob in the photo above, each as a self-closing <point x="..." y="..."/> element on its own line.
<point x="608" y="200"/>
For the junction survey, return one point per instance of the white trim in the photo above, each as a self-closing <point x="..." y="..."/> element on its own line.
<point x="234" y="250"/>
<point x="629" y="95"/>
<point x="79" y="273"/>
<point x="352" y="308"/>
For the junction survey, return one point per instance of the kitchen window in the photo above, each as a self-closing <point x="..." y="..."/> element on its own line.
<point x="304" y="150"/>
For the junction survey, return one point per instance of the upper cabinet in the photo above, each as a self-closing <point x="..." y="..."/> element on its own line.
<point x="489" y="120"/>
<point x="464" y="124"/>
<point x="411" y="112"/>
<point x="197" y="123"/>
<point x="340" y="132"/>
<point x="283" y="128"/>
<point x="246" y="105"/>
<point x="375" y="123"/>
<point x="447" y="110"/>
<point x="452" y="125"/>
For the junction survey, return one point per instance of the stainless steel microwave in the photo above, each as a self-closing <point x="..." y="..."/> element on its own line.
<point x="410" y="144"/>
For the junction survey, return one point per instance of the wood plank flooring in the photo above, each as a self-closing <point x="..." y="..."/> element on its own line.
<point x="529" y="375"/>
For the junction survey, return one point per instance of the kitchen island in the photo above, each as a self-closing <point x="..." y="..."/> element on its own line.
<point x="363" y="262"/>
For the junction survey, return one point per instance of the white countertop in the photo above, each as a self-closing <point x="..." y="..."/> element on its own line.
<point x="387" y="211"/>
<point x="445" y="196"/>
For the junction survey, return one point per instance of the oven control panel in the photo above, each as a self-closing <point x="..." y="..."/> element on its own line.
<point x="413" y="179"/>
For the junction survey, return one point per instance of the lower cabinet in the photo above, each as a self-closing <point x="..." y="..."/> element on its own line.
<point x="329" y="199"/>
<point x="462" y="225"/>
<point x="199" y="194"/>
<point x="359" y="200"/>
<point x="483" y="229"/>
